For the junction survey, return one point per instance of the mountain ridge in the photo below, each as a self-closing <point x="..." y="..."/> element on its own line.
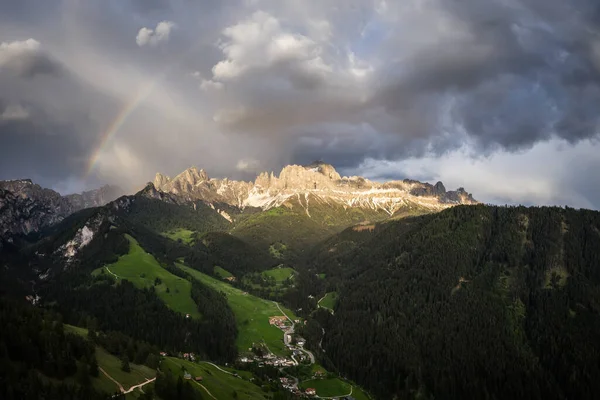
<point x="27" y="207"/>
<point x="316" y="179"/>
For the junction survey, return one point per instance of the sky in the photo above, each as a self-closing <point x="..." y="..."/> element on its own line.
<point x="501" y="97"/>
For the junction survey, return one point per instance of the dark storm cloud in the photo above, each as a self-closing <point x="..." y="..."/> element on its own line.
<point x="42" y="148"/>
<point x="47" y="129"/>
<point x="29" y="65"/>
<point x="268" y="82"/>
<point x="518" y="75"/>
<point x="26" y="59"/>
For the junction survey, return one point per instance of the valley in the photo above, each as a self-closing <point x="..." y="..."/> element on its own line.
<point x="298" y="291"/>
<point x="252" y="315"/>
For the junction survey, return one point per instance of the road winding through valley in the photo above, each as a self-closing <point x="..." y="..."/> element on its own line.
<point x="288" y="333"/>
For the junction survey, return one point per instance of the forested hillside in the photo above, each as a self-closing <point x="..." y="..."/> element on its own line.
<point x="161" y="216"/>
<point x="474" y="302"/>
<point x="39" y="360"/>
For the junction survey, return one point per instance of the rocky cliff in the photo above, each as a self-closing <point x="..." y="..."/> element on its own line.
<point x="317" y="180"/>
<point x="26" y="207"/>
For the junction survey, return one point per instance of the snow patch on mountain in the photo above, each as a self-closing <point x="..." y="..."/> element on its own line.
<point x="319" y="180"/>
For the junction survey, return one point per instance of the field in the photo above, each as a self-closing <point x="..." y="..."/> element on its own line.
<point x="221" y="385"/>
<point x="77" y="330"/>
<point x="279" y="274"/>
<point x="329" y="300"/>
<point x="251" y="314"/>
<point x="112" y="365"/>
<point x="186" y="236"/>
<point x="222" y="272"/>
<point x="328" y="387"/>
<point x="142" y="270"/>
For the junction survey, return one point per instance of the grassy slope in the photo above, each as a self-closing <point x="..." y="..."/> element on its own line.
<point x="329" y="300"/>
<point x="142" y="269"/>
<point x="327" y="387"/>
<point x="222" y="272"/>
<point x="251" y="313"/>
<point x="112" y="365"/>
<point x="280" y="274"/>
<point x="334" y="387"/>
<point x="76" y="329"/>
<point x="185" y="235"/>
<point x="218" y="383"/>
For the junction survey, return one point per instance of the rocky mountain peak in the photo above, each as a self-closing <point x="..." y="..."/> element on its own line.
<point x="439" y="188"/>
<point x="317" y="179"/>
<point x="183" y="183"/>
<point x="160" y="180"/>
<point x="326" y="169"/>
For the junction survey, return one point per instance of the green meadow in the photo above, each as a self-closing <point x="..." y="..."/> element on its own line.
<point x="222" y="272"/>
<point x="329" y="301"/>
<point x="251" y="313"/>
<point x="328" y="387"/>
<point x="112" y="365"/>
<point x="279" y="274"/>
<point x="185" y="235"/>
<point x="142" y="269"/>
<point x="221" y="385"/>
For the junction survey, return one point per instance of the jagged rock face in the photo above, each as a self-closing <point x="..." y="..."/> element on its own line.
<point x="26" y="207"/>
<point x="317" y="179"/>
<point x="150" y="192"/>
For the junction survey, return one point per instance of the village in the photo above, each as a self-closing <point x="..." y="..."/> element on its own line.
<point x="261" y="356"/>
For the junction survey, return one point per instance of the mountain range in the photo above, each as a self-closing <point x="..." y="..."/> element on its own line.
<point x="26" y="207"/>
<point x="317" y="182"/>
<point x="305" y="280"/>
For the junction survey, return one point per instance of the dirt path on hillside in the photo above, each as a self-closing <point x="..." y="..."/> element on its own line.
<point x="112" y="379"/>
<point x="110" y="272"/>
<point x="217" y="367"/>
<point x="205" y="389"/>
<point x="131" y="389"/>
<point x="121" y="388"/>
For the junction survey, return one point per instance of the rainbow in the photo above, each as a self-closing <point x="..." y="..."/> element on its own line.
<point x="121" y="118"/>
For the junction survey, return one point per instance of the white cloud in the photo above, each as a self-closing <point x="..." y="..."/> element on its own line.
<point x="25" y="58"/>
<point x="208" y="85"/>
<point x="14" y="112"/>
<point x="10" y="49"/>
<point x="152" y="37"/>
<point x="248" y="165"/>
<point x="357" y="67"/>
<point x="260" y="42"/>
<point x="529" y="177"/>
